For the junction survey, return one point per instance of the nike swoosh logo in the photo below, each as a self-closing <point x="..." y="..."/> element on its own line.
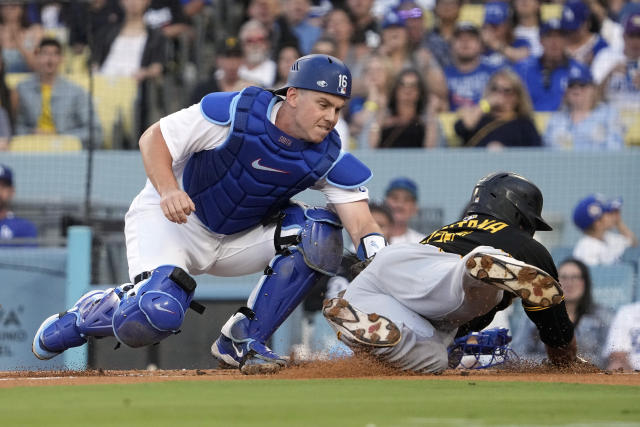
<point x="239" y="351"/>
<point x="161" y="308"/>
<point x="256" y="165"/>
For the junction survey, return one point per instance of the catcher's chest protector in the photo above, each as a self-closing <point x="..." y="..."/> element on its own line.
<point x="255" y="172"/>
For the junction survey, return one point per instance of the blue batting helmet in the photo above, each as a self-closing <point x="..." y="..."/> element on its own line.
<point x="480" y="350"/>
<point x="322" y="73"/>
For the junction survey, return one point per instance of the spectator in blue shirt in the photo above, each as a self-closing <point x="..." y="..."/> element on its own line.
<point x="585" y="123"/>
<point x="296" y="13"/>
<point x="546" y="77"/>
<point x="468" y="75"/>
<point x="11" y="227"/>
<point x="502" y="47"/>
<point x="577" y="23"/>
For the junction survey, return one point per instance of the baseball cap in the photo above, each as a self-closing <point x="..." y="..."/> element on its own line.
<point x="591" y="208"/>
<point x="466" y="27"/>
<point x="230" y="47"/>
<point x="580" y="75"/>
<point x="496" y="12"/>
<point x="393" y="19"/>
<point x="550" y="25"/>
<point x="632" y="25"/>
<point x="574" y="14"/>
<point x="6" y="175"/>
<point x="403" y="183"/>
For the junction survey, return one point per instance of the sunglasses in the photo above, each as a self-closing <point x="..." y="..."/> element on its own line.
<point x="253" y="40"/>
<point x="578" y="84"/>
<point x="502" y="90"/>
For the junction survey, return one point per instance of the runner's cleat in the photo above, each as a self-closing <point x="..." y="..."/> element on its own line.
<point x="355" y="327"/>
<point x="530" y="283"/>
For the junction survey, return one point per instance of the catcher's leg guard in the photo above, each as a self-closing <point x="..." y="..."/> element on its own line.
<point x="309" y="242"/>
<point x="154" y="308"/>
<point x="90" y="316"/>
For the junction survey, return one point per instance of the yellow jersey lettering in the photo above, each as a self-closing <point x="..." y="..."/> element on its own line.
<point x="494" y="228"/>
<point x="486" y="223"/>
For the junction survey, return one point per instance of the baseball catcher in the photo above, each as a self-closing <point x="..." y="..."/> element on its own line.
<point x="410" y="303"/>
<point x="234" y="161"/>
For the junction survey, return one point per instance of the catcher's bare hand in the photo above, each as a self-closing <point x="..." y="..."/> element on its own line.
<point x="177" y="205"/>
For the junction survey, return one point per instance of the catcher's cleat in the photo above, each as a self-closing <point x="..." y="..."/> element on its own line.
<point x="251" y="357"/>
<point x="60" y="332"/>
<point x="534" y="286"/>
<point x="355" y="327"/>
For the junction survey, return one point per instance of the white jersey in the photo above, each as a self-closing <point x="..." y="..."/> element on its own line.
<point x="153" y="240"/>
<point x="624" y="335"/>
<point x="409" y="236"/>
<point x="607" y="251"/>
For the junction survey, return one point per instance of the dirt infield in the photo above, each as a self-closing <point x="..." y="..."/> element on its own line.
<point x="341" y="368"/>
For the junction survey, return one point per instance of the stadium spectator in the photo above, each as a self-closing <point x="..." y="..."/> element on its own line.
<point x="296" y="13"/>
<point x="584" y="123"/>
<point x="130" y="48"/>
<point x="501" y="44"/>
<point x="365" y="25"/>
<point x="11" y="227"/>
<point x="6" y="109"/>
<point x="339" y="26"/>
<point x="618" y="72"/>
<point x="95" y="15"/>
<point x="192" y="8"/>
<point x="326" y="45"/>
<point x="623" y="342"/>
<point x="50" y="104"/>
<point x="468" y="75"/>
<point x="396" y="47"/>
<point x="610" y="30"/>
<point x="18" y="37"/>
<point x="546" y="77"/>
<point x="279" y="33"/>
<point x="225" y="77"/>
<point x="286" y="57"/>
<point x="168" y="17"/>
<point x="576" y="22"/>
<point x="409" y="122"/>
<point x="527" y="19"/>
<point x="605" y="235"/>
<point x="412" y="13"/>
<point x="402" y="198"/>
<point x="504" y="118"/>
<point x="591" y="321"/>
<point x="257" y="68"/>
<point x="367" y="109"/>
<point x="439" y="40"/>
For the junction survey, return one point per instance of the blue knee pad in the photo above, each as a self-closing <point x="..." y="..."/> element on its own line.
<point x="156" y="309"/>
<point x="316" y="250"/>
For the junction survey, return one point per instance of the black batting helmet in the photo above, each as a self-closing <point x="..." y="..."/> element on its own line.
<point x="511" y="198"/>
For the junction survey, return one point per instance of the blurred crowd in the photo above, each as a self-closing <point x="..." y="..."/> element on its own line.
<point x="427" y="73"/>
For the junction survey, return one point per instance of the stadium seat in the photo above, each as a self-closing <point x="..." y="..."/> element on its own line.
<point x="12" y="79"/>
<point x="44" y="143"/>
<point x="613" y="285"/>
<point x="114" y="100"/>
<point x="550" y="11"/>
<point x="630" y="120"/>
<point x="541" y="119"/>
<point x="447" y="120"/>
<point x="472" y="13"/>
